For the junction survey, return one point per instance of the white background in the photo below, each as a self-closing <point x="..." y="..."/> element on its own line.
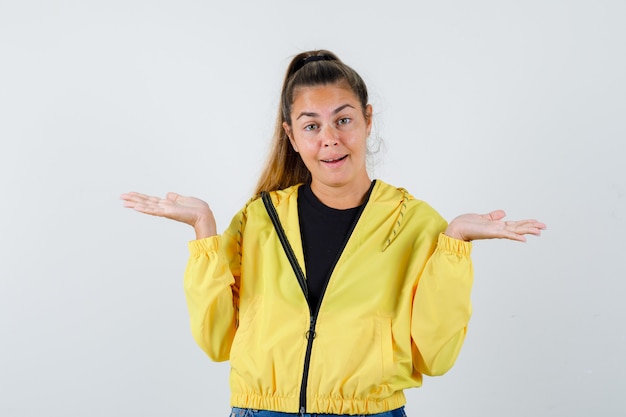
<point x="481" y="105"/>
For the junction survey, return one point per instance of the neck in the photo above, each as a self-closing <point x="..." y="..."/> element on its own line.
<point x="342" y="197"/>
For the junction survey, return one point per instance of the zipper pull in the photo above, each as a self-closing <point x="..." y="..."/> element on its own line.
<point x="310" y="334"/>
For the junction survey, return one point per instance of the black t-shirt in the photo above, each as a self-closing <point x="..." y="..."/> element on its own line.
<point x="325" y="232"/>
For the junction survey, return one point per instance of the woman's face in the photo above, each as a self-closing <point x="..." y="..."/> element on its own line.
<point x="329" y="131"/>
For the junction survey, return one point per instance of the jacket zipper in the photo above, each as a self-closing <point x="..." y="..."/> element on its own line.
<point x="310" y="334"/>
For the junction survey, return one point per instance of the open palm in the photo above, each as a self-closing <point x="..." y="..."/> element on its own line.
<point x="472" y="226"/>
<point x="189" y="210"/>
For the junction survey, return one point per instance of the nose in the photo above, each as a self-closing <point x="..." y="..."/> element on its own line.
<point x="330" y="136"/>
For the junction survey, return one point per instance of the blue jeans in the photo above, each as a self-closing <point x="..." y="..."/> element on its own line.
<point x="246" y="412"/>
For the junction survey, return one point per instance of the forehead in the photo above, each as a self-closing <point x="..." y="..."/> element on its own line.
<point x="323" y="95"/>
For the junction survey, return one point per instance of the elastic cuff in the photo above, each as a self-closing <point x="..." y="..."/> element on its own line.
<point x="200" y="246"/>
<point x="450" y="244"/>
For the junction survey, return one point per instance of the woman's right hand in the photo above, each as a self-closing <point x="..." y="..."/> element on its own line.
<point x="188" y="210"/>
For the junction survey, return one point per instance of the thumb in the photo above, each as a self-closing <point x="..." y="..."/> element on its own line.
<point x="172" y="197"/>
<point x="496" y="215"/>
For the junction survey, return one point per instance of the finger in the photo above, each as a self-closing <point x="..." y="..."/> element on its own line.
<point x="138" y="197"/>
<point x="153" y="210"/>
<point x="512" y="235"/>
<point x="527" y="223"/>
<point x="538" y="225"/>
<point x="516" y="237"/>
<point x="529" y="230"/>
<point x="152" y="199"/>
<point x="129" y="203"/>
<point x="495" y="215"/>
<point x="135" y="194"/>
<point x="534" y="222"/>
<point x="132" y="196"/>
<point x="131" y="199"/>
<point x="523" y="228"/>
<point x="172" y="197"/>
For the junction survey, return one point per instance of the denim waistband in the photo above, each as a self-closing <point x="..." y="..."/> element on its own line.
<point x="247" y="412"/>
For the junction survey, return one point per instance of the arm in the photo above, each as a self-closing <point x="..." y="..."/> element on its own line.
<point x="441" y="306"/>
<point x="210" y="280"/>
<point x="212" y="292"/>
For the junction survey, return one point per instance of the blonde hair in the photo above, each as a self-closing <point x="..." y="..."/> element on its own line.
<point x="284" y="167"/>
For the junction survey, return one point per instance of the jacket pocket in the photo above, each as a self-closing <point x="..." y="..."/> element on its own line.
<point x="353" y="356"/>
<point x="242" y="341"/>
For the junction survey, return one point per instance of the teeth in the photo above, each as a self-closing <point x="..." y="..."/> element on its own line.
<point x="333" y="160"/>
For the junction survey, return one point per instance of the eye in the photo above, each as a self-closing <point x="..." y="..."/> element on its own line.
<point x="344" y="121"/>
<point x="310" y="127"/>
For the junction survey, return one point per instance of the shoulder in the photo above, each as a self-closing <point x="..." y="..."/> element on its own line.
<point x="384" y="193"/>
<point x="408" y="211"/>
<point x="284" y="201"/>
<point x="281" y="197"/>
<point x="409" y="216"/>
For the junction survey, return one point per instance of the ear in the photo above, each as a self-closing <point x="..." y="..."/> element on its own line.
<point x="287" y="130"/>
<point x="368" y="117"/>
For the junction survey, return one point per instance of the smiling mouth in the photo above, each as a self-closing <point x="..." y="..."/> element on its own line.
<point x="335" y="160"/>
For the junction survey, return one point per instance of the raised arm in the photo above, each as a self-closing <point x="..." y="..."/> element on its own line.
<point x="188" y="210"/>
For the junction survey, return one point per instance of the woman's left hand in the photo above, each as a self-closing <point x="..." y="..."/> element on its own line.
<point x="471" y="226"/>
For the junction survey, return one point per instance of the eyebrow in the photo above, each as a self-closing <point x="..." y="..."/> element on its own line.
<point x="310" y="114"/>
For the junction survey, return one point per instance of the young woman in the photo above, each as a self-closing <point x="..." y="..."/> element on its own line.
<point x="329" y="293"/>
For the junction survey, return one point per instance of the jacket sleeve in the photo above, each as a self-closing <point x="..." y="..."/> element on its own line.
<point x="441" y="306"/>
<point x="212" y="289"/>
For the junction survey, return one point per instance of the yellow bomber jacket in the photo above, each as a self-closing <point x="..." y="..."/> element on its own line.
<point x="396" y="307"/>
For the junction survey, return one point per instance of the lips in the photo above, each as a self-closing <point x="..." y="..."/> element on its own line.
<point x="341" y="158"/>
